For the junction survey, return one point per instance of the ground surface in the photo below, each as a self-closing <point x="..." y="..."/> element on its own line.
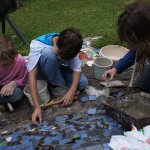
<point x="21" y="117"/>
<point x="23" y="110"/>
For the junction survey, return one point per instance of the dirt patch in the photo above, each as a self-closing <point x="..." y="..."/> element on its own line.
<point x="23" y="110"/>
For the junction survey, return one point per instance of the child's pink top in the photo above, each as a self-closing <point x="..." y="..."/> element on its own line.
<point x="17" y="73"/>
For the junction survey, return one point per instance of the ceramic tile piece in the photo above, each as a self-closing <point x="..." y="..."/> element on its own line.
<point x="92" y="111"/>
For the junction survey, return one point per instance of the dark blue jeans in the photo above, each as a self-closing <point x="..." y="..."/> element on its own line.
<point x="144" y="79"/>
<point x="56" y="74"/>
<point x="17" y="95"/>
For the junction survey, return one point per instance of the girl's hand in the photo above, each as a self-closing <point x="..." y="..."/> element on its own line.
<point x="37" y="116"/>
<point x="8" y="89"/>
<point x="112" y="72"/>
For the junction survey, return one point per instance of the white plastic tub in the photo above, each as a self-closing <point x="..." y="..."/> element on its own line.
<point x="113" y="52"/>
<point x="43" y="93"/>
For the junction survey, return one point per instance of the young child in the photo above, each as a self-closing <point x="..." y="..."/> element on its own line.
<point x="13" y="72"/>
<point x="54" y="57"/>
<point x="134" y="28"/>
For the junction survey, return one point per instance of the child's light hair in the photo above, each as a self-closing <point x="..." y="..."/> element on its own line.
<point x="7" y="51"/>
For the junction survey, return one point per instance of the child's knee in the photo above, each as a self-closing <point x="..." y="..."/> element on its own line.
<point x="83" y="83"/>
<point x="17" y="95"/>
<point x="47" y="56"/>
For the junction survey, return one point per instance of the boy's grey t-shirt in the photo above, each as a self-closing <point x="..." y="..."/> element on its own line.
<point x="36" y="48"/>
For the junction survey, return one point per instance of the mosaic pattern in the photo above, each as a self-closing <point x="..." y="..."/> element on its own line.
<point x="63" y="132"/>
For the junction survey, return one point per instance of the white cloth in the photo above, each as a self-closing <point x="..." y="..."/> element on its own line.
<point x="120" y="142"/>
<point x="90" y="90"/>
<point x="147" y="131"/>
<point x="36" y="48"/>
<point x="133" y="140"/>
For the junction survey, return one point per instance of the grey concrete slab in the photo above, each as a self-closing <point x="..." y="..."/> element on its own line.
<point x="95" y="147"/>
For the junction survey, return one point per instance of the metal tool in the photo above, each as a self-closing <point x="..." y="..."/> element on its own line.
<point x="106" y="90"/>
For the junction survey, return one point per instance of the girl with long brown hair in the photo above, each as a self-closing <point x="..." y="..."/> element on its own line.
<point x="134" y="29"/>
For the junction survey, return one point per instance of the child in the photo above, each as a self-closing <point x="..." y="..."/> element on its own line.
<point x="54" y="57"/>
<point x="13" y="72"/>
<point x="134" y="28"/>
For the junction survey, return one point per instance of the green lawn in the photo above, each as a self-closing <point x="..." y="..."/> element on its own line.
<point x="91" y="17"/>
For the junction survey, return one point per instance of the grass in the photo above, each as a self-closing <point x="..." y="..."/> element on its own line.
<point x="92" y="18"/>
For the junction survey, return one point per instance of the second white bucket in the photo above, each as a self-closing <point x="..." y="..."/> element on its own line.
<point x="43" y="93"/>
<point x="100" y="65"/>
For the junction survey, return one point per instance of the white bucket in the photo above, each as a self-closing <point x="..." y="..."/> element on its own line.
<point x="100" y="65"/>
<point x="43" y="93"/>
<point x="113" y="52"/>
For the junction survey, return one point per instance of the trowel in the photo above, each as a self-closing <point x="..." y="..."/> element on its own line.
<point x="106" y="90"/>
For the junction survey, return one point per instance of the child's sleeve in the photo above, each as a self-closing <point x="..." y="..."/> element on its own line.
<point x="125" y="62"/>
<point x="47" y="38"/>
<point x="21" y="76"/>
<point x="75" y="64"/>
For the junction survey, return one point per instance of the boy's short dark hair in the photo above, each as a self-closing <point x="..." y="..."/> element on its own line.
<point x="69" y="42"/>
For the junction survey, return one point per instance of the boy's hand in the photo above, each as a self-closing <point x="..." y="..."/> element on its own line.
<point x="8" y="89"/>
<point x="69" y="97"/>
<point x="112" y="72"/>
<point x="37" y="116"/>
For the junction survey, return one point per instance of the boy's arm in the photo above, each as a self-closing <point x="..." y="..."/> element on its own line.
<point x="75" y="81"/>
<point x="69" y="97"/>
<point x="34" y="94"/>
<point x="33" y="86"/>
